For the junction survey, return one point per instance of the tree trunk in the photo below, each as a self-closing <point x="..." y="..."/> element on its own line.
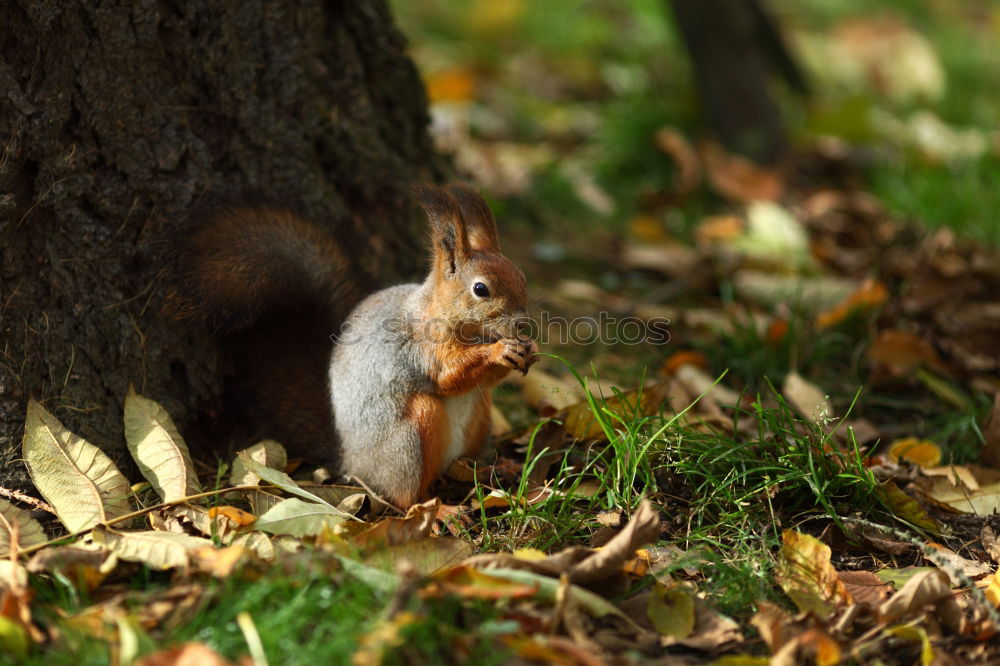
<point x="117" y="117"/>
<point x="735" y="47"/>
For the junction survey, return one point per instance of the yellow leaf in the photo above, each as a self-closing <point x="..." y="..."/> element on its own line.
<point x="238" y="516"/>
<point x="671" y="611"/>
<point x="807" y="577"/>
<point x="80" y="482"/>
<point x="451" y="85"/>
<point x="158" y="448"/>
<point x="921" y="452"/>
<point x="906" y="507"/>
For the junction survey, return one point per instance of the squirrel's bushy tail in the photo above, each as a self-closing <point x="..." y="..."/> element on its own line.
<point x="241" y="264"/>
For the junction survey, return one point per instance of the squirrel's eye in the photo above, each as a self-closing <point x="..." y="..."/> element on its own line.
<point x="481" y="290"/>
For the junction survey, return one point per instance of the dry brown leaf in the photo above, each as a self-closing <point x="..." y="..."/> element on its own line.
<point x="870" y="294"/>
<point x="957" y="474"/>
<point x="397" y="531"/>
<point x="955" y="565"/>
<point x="807" y="399"/>
<point x="990" y="543"/>
<point x="719" y="229"/>
<point x="16" y="523"/>
<point x="219" y="562"/>
<point x="774" y="624"/>
<point x="671" y="259"/>
<point x="813" y="646"/>
<point x="426" y="556"/>
<point x="673" y="144"/>
<point x="865" y="587"/>
<point x="807" y="577"/>
<point x="86" y="566"/>
<point x="737" y="178"/>
<point x="642" y="528"/>
<point x="923" y="589"/>
<point x="902" y="351"/>
<point x="547" y="393"/>
<point x="187" y="654"/>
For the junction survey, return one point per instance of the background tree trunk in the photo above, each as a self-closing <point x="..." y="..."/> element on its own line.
<point x="116" y="117"/>
<point x="736" y="51"/>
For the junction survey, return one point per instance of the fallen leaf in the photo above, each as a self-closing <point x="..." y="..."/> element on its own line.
<point x="18" y="524"/>
<point x="673" y="144"/>
<point x="915" y="633"/>
<point x="297" y="518"/>
<point x="219" y="562"/>
<point x="268" y="453"/>
<point x="415" y="525"/>
<point x="80" y="482"/>
<point x="739" y="179"/>
<point x="238" y="516"/>
<point x="774" y="239"/>
<point x="451" y="85"/>
<point x="921" y="452"/>
<point x="185" y="654"/>
<point x="426" y="556"/>
<point x="671" y="610"/>
<point x="900" y="577"/>
<point x="923" y="589"/>
<point x="869" y="295"/>
<point x="865" y="587"/>
<point x="955" y="565"/>
<point x="807" y="577"/>
<point x="86" y="566"/>
<point x="158" y="448"/>
<point x="773" y="290"/>
<point x="684" y="357"/>
<point x="907" y="508"/>
<point x="286" y="483"/>
<point x="157" y="550"/>
<point x="813" y="646"/>
<point x="547" y="393"/>
<point x="807" y="399"/>
<point x="718" y="229"/>
<point x="903" y="351"/>
<point x="773" y="623"/>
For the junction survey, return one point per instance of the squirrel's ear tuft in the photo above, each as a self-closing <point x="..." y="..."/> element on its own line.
<point x="480" y="224"/>
<point x="449" y="239"/>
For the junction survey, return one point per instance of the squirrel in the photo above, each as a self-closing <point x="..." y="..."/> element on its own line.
<point x="391" y="387"/>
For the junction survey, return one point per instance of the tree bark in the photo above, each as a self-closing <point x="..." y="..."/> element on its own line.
<point x="117" y="117"/>
<point x="735" y="48"/>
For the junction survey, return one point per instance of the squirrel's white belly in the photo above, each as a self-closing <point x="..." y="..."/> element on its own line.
<point x="459" y="409"/>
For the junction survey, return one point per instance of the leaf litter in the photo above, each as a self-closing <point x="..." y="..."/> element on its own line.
<point x="810" y="262"/>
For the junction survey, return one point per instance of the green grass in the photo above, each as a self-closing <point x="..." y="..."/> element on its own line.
<point x="963" y="197"/>
<point x="303" y="614"/>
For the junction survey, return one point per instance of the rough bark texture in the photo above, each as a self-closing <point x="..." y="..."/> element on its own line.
<point x="116" y="117"/>
<point x="736" y="48"/>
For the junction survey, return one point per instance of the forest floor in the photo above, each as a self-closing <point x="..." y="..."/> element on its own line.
<point x="805" y="470"/>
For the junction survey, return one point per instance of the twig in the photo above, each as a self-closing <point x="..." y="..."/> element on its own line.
<point x="27" y="499"/>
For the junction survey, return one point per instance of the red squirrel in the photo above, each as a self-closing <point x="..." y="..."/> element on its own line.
<point x="390" y="388"/>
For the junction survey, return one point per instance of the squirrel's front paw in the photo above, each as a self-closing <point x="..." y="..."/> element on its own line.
<point x="518" y="354"/>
